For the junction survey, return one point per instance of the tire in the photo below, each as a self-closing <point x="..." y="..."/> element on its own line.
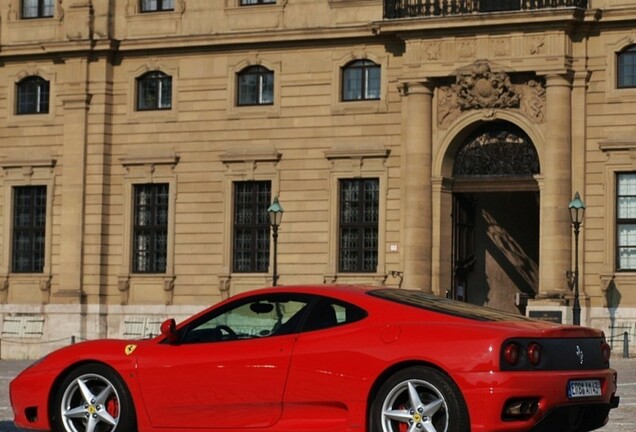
<point x="418" y="399"/>
<point x="93" y="398"/>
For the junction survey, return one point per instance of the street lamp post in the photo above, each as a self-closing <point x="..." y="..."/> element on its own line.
<point x="577" y="212"/>
<point x="275" y="212"/>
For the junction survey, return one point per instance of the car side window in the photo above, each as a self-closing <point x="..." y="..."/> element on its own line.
<point x="327" y="313"/>
<point x="254" y="318"/>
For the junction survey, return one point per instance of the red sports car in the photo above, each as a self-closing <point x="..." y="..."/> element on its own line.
<point x="328" y="358"/>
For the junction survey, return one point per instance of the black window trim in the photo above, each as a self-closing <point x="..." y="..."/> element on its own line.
<point x="160" y="78"/>
<point x="365" y="65"/>
<point x="629" y="51"/>
<point x="254" y="227"/>
<point x="257" y="2"/>
<point x="621" y="221"/>
<point x="42" y="103"/>
<point x="152" y="229"/>
<point x="259" y="71"/>
<point x="32" y="229"/>
<point x="159" y="8"/>
<point x="41" y="8"/>
<point x="359" y="225"/>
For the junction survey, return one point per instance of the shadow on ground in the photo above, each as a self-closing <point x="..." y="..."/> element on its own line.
<point x="8" y="426"/>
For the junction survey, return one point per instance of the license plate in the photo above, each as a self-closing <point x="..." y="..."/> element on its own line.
<point x="584" y="388"/>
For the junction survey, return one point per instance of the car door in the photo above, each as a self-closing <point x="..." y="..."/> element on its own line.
<point x="329" y="371"/>
<point x="229" y="369"/>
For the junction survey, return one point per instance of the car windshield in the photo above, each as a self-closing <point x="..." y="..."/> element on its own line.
<point x="442" y="305"/>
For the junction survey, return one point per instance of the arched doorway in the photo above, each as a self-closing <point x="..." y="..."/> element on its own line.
<point x="495" y="237"/>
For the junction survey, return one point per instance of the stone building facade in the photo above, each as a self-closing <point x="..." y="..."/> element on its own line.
<point x="412" y="143"/>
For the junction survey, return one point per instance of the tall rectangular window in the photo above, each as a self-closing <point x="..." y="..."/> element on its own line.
<point x="251" y="227"/>
<point x="358" y="225"/>
<point x="150" y="228"/>
<point x="626" y="222"/>
<point x="29" y="229"/>
<point x="37" y="8"/>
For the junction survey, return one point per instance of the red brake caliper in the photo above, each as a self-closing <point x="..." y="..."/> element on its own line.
<point x="112" y="406"/>
<point x="404" y="427"/>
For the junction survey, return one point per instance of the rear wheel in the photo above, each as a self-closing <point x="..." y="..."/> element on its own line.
<point x="419" y="399"/>
<point x="93" y="398"/>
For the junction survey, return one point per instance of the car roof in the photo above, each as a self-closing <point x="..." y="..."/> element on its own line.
<point x="341" y="291"/>
<point x="391" y="298"/>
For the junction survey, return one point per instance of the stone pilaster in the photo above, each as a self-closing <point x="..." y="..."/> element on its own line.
<point x="556" y="232"/>
<point x="75" y="101"/>
<point x="417" y="189"/>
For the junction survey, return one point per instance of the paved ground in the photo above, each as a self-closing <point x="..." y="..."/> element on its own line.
<point x="622" y="419"/>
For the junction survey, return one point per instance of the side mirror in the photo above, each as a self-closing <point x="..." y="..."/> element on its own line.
<point x="169" y="330"/>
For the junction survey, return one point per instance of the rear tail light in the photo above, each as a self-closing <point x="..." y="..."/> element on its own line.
<point x="521" y="354"/>
<point x="511" y="353"/>
<point x="534" y="353"/>
<point x="606" y="351"/>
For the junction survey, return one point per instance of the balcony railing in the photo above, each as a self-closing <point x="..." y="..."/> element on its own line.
<point x="424" y="8"/>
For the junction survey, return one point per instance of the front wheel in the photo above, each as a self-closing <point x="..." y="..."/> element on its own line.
<point x="93" y="398"/>
<point x="419" y="399"/>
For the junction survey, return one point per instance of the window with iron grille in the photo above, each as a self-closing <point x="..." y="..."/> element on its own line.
<point x="32" y="96"/>
<point x="251" y="227"/>
<point x="29" y="229"/>
<point x="157" y="5"/>
<point x="627" y="68"/>
<point x="626" y="222"/>
<point x="37" y="8"/>
<point x="255" y="86"/>
<point x="150" y="228"/>
<point x="358" y="225"/>
<point x="361" y="81"/>
<point x="154" y="91"/>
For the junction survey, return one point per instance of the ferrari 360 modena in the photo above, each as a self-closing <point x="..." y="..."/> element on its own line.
<point x="328" y="358"/>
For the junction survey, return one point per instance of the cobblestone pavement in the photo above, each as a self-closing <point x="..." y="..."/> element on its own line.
<point x="622" y="419"/>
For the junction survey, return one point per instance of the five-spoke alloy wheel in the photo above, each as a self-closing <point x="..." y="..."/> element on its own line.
<point x="93" y="398"/>
<point x="419" y="399"/>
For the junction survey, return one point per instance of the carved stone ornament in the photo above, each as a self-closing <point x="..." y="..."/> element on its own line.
<point x="533" y="100"/>
<point x="478" y="87"/>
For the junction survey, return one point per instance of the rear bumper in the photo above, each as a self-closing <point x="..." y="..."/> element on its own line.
<point x="487" y="393"/>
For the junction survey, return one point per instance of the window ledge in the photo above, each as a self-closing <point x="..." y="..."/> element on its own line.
<point x="250" y="155"/>
<point x="617" y="145"/>
<point x="26" y="162"/>
<point x="359" y="107"/>
<point x="357" y="153"/>
<point x="621" y="95"/>
<point x="169" y="158"/>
